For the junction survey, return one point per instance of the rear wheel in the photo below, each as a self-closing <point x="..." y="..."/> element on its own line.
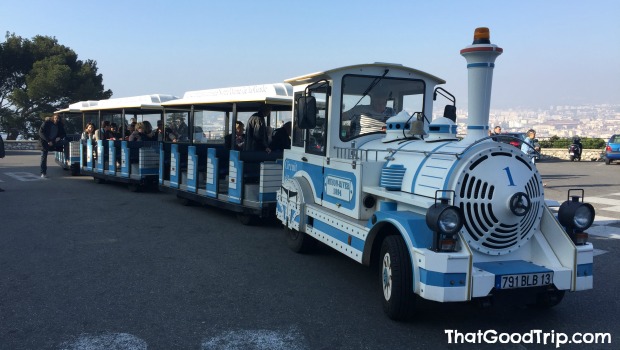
<point x="246" y="219"/>
<point x="397" y="279"/>
<point x="607" y="161"/>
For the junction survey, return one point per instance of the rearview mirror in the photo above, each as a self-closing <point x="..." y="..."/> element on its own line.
<point x="306" y="112"/>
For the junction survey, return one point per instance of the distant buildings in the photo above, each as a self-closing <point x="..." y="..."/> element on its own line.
<point x="598" y="121"/>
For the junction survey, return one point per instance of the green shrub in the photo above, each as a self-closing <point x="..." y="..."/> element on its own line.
<point x="587" y="142"/>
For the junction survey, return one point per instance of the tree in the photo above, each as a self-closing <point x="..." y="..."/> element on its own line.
<point x="38" y="77"/>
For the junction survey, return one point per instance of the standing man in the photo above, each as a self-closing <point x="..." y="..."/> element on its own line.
<point x="52" y="134"/>
<point x="256" y="138"/>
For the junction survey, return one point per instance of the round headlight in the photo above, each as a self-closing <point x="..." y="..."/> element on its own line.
<point x="450" y="220"/>
<point x="584" y="216"/>
<point x="576" y="215"/>
<point x="444" y="218"/>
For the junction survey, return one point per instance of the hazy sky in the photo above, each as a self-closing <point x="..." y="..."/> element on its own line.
<point x="555" y="51"/>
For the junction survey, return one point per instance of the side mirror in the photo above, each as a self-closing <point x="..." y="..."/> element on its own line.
<point x="306" y="112"/>
<point x="450" y="112"/>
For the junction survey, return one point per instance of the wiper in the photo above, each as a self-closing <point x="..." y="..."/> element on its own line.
<point x="374" y="83"/>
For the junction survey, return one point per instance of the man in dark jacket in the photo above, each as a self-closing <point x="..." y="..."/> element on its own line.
<point x="281" y="139"/>
<point x="1" y="153"/>
<point x="256" y="137"/>
<point x="52" y="134"/>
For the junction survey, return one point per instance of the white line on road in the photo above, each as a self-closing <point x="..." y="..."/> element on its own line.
<point x="23" y="176"/>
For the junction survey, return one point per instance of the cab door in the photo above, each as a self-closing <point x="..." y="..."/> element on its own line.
<point x="309" y="140"/>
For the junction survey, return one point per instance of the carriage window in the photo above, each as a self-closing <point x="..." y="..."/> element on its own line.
<point x="314" y="139"/>
<point x="369" y="101"/>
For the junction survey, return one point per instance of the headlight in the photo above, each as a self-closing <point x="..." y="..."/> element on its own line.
<point x="445" y="221"/>
<point x="576" y="217"/>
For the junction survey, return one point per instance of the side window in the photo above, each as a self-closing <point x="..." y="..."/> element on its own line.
<point x="314" y="139"/>
<point x="317" y="137"/>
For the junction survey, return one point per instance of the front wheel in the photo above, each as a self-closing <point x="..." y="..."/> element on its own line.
<point x="299" y="242"/>
<point x="549" y="299"/>
<point x="397" y="279"/>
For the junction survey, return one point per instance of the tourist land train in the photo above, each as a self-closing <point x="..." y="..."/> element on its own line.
<point x="444" y="219"/>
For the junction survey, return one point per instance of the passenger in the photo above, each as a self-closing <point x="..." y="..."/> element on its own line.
<point x="104" y="132"/>
<point x="164" y="133"/>
<point x="497" y="130"/>
<point x="52" y="134"/>
<point x="114" y="132"/>
<point x="181" y="130"/>
<point x="89" y="132"/>
<point x="239" y="136"/>
<point x="149" y="133"/>
<point x="281" y="138"/>
<point x="256" y="138"/>
<point x="370" y="118"/>
<point x="130" y="130"/>
<point x="138" y="132"/>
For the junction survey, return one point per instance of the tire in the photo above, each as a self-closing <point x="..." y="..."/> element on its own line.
<point x="98" y="180"/>
<point x="607" y="161"/>
<point x="75" y="171"/>
<point x="299" y="242"/>
<point x="134" y="187"/>
<point x="572" y="158"/>
<point x="549" y="299"/>
<point x="396" y="279"/>
<point x="246" y="219"/>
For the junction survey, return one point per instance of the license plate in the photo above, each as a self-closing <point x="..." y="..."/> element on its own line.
<point x="526" y="280"/>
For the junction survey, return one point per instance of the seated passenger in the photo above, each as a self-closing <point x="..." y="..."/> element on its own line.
<point x="143" y="132"/>
<point x="366" y="119"/>
<point x="239" y="137"/>
<point x="164" y="133"/>
<point x="281" y="139"/>
<point x="89" y="132"/>
<point x="104" y="132"/>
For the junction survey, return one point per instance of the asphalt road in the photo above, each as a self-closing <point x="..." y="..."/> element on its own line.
<point x="95" y="266"/>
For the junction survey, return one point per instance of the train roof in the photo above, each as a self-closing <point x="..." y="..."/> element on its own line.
<point x="247" y="98"/>
<point x="77" y="107"/>
<point x="132" y="103"/>
<point x="300" y="80"/>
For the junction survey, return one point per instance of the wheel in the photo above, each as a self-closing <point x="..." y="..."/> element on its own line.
<point x="246" y="219"/>
<point x="607" y="161"/>
<point x="572" y="158"/>
<point x="299" y="242"/>
<point x="396" y="279"/>
<point x="549" y="299"/>
<point x="133" y="187"/>
<point x="75" y="171"/>
<point x="98" y="180"/>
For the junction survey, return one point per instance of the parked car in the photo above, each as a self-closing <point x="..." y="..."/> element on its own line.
<point x="612" y="150"/>
<point x="516" y="139"/>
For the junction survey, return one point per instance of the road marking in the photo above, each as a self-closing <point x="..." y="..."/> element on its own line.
<point x="602" y="200"/>
<point x="120" y="341"/>
<point x="23" y="176"/>
<point x="257" y="339"/>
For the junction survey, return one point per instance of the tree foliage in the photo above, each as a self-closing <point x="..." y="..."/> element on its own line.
<point x="39" y="76"/>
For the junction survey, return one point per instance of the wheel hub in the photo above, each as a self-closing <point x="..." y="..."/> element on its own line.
<point x="387" y="277"/>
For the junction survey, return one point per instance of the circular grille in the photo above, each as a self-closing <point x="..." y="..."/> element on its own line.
<point x="484" y="192"/>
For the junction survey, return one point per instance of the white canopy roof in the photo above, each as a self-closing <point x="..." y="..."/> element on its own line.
<point x="275" y="94"/>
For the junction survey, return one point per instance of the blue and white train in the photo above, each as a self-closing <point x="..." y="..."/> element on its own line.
<point x="371" y="174"/>
<point x="448" y="220"/>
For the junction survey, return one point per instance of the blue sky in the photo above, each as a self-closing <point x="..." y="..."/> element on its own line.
<point x="556" y="52"/>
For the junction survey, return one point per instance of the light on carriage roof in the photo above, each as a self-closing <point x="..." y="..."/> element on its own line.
<point x="482" y="35"/>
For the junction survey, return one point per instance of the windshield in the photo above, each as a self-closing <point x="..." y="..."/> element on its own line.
<point x="368" y="101"/>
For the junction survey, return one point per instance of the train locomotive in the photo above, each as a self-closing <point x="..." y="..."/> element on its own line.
<point x="447" y="219"/>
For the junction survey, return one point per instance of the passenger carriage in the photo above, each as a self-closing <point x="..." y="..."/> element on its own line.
<point x="135" y="163"/>
<point x="74" y="121"/>
<point x="201" y="169"/>
<point x="446" y="219"/>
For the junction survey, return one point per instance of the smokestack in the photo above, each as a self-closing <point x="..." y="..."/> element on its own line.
<point x="480" y="56"/>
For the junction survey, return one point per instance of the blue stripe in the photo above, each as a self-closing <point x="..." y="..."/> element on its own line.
<point x="484" y="64"/>
<point x="584" y="270"/>
<point x="478" y="127"/>
<point x="441" y="279"/>
<point x="339" y="235"/>
<point x="511" y="267"/>
<point x="268" y="196"/>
